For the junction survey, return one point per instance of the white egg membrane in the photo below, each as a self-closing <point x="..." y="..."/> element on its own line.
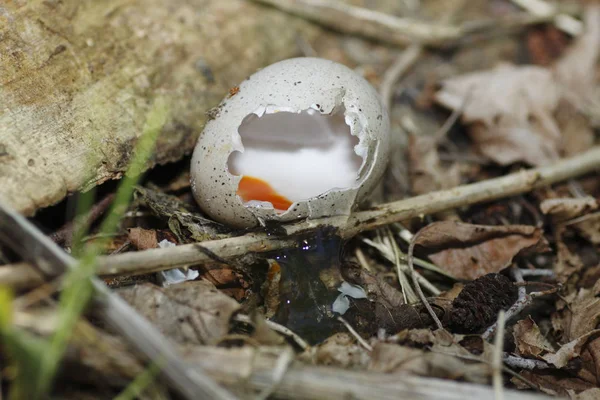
<point x="300" y="154"/>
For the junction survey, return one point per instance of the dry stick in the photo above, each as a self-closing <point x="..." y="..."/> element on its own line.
<point x="359" y="338"/>
<point x="524" y="363"/>
<point x="30" y="243"/>
<point x="411" y="248"/>
<point x="301" y="381"/>
<point x="154" y="260"/>
<point x="405" y="60"/>
<point x="518" y="363"/>
<point x="564" y="22"/>
<point x="284" y="361"/>
<point x="387" y="28"/>
<point x="64" y="235"/>
<point x="407" y="292"/>
<point x="497" y="358"/>
<point x="277" y="328"/>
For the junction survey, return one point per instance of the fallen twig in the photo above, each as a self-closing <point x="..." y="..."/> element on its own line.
<point x="359" y="338"/>
<point x="411" y="248"/>
<point x="254" y="367"/>
<point x="405" y="60"/>
<point x="387" y="28"/>
<point x="25" y="239"/>
<point x="277" y="328"/>
<point x="64" y="235"/>
<point x="564" y="22"/>
<point x="497" y="358"/>
<point x="153" y="260"/>
<point x="524" y="363"/>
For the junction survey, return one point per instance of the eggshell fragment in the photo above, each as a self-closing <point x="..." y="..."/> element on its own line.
<point x="306" y="131"/>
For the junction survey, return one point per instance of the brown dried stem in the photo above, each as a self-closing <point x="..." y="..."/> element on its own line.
<point x="153" y="260"/>
<point x="387" y="28"/>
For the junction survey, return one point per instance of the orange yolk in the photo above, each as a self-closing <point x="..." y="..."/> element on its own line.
<point x="251" y="188"/>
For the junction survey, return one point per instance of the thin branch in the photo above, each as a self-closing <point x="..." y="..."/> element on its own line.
<point x="564" y="22"/>
<point x="154" y="260"/>
<point x="284" y="361"/>
<point x="546" y="273"/>
<point x="64" y="235"/>
<point x="506" y="357"/>
<point x="30" y="243"/>
<point x="277" y="328"/>
<point x="411" y="266"/>
<point x="409" y="295"/>
<point x="525" y="363"/>
<point x="301" y="381"/>
<point x="403" y="63"/>
<point x="362" y="341"/>
<point x="387" y="28"/>
<point x="497" y="358"/>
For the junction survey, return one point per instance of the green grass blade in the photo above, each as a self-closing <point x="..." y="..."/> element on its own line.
<point x="140" y="383"/>
<point x="78" y="289"/>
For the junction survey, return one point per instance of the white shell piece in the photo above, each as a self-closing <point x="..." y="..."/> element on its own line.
<point x="340" y="305"/>
<point x="293" y="85"/>
<point x="175" y="275"/>
<point x="353" y="291"/>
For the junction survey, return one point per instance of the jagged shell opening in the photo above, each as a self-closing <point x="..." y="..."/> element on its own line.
<point x="290" y="157"/>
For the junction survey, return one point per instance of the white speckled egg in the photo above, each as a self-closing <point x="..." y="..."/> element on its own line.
<point x="301" y="138"/>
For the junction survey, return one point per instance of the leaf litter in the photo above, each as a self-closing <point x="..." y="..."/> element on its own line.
<point x="513" y="115"/>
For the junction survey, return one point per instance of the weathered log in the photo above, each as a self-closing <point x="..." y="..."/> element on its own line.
<point x="77" y="80"/>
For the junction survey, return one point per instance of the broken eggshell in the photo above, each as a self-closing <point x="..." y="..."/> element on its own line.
<point x="302" y="138"/>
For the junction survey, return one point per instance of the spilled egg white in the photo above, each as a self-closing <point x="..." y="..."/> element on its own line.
<point x="302" y="138"/>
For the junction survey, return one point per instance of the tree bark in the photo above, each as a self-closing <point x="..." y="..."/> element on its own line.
<point x="77" y="79"/>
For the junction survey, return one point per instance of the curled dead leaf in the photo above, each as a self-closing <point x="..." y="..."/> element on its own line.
<point x="469" y="251"/>
<point x="553" y="384"/>
<point x="340" y="350"/>
<point x="570" y="350"/>
<point x="192" y="312"/>
<point x="512" y="109"/>
<point x="392" y="358"/>
<point x="426" y="171"/>
<point x="143" y="239"/>
<point x="563" y="209"/>
<point x="529" y="340"/>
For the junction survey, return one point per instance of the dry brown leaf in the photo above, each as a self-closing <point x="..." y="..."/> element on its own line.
<point x="444" y="342"/>
<point x="339" y="350"/>
<point x="577" y="133"/>
<point x="589" y="228"/>
<point x="579" y="316"/>
<point x="426" y="171"/>
<point x="143" y="239"/>
<point x="563" y="209"/>
<point x="376" y="287"/>
<point x="589" y="394"/>
<point x="529" y="340"/>
<point x="192" y="312"/>
<point x="571" y="350"/>
<point x="263" y="334"/>
<point x="511" y="108"/>
<point x="552" y="384"/>
<point x="391" y="358"/>
<point x="576" y="71"/>
<point x="469" y="251"/>
<point x="384" y="308"/>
